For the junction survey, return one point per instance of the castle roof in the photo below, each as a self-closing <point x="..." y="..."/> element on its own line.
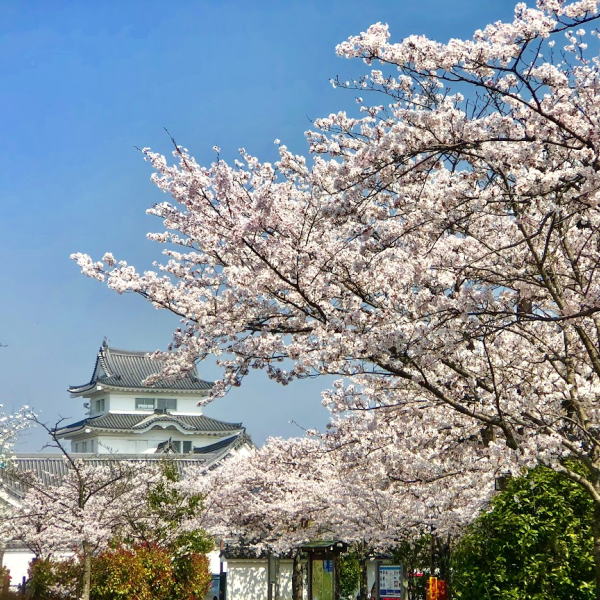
<point x="51" y="468"/>
<point x="140" y="423"/>
<point x="229" y="443"/>
<point x="127" y="370"/>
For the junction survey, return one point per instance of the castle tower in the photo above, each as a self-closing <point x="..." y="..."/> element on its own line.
<point x="125" y="416"/>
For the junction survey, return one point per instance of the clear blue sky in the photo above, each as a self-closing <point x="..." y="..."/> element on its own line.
<point x="83" y="84"/>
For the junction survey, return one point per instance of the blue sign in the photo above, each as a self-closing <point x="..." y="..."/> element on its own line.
<point x="390" y="581"/>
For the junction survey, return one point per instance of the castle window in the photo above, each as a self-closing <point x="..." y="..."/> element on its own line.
<point x="144" y="403"/>
<point x="182" y="447"/>
<point x="100" y="405"/>
<point x="156" y="403"/>
<point x="166" y="403"/>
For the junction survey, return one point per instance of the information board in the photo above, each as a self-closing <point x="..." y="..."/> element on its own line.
<point x="390" y="581"/>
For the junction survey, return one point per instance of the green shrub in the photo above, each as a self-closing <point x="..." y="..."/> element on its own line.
<point x="53" y="579"/>
<point x="144" y="572"/>
<point x="534" y="544"/>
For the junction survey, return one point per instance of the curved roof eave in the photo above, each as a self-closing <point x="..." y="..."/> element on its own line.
<point x="77" y="390"/>
<point x="157" y="425"/>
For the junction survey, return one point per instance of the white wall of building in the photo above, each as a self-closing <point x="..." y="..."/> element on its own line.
<point x="17" y="562"/>
<point x="285" y="579"/>
<point x="124" y="402"/>
<point x="247" y="579"/>
<point x="143" y="442"/>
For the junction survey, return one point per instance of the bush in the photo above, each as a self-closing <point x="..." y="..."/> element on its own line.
<point x="143" y="573"/>
<point x="534" y="544"/>
<point x="149" y="572"/>
<point x="53" y="579"/>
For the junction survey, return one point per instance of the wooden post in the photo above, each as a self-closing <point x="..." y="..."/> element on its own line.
<point x="336" y="577"/>
<point x="297" y="573"/>
<point x="222" y="577"/>
<point x="271" y="577"/>
<point x="310" y="577"/>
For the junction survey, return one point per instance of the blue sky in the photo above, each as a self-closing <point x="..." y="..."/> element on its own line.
<point x="84" y="83"/>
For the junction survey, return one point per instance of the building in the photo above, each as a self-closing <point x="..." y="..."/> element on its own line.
<point x="124" y="415"/>
<point x="126" y="419"/>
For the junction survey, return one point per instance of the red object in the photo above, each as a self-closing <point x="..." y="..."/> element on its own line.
<point x="437" y="589"/>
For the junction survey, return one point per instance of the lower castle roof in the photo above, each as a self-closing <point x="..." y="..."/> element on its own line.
<point x="143" y="422"/>
<point x="51" y="468"/>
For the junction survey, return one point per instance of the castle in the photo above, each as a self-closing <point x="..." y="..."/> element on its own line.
<point x="126" y="419"/>
<point x="126" y="416"/>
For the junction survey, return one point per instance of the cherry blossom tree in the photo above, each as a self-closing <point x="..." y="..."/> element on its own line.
<point x="79" y="510"/>
<point x="79" y="514"/>
<point x="295" y="491"/>
<point x="267" y="501"/>
<point x="91" y="504"/>
<point x="439" y="251"/>
<point x="11" y="424"/>
<point x="271" y="501"/>
<point x="99" y="504"/>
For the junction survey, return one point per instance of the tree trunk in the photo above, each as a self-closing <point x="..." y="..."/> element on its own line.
<point x="87" y="573"/>
<point x="444" y="550"/>
<point x="596" y="534"/>
<point x="297" y="574"/>
<point x="364" y="587"/>
<point x="336" y="577"/>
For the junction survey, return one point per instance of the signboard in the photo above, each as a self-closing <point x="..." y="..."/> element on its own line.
<point x="390" y="581"/>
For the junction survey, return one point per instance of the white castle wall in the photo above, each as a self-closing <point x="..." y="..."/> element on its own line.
<point x="123" y="402"/>
<point x="132" y="443"/>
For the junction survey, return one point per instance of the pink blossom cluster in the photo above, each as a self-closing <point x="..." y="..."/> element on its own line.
<point x="439" y="253"/>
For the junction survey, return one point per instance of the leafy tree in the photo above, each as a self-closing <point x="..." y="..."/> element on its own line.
<point x="350" y="571"/>
<point x="169" y="523"/>
<point x="533" y="544"/>
<point x="170" y="507"/>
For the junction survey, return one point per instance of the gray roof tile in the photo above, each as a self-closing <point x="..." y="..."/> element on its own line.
<point x="140" y="422"/>
<point x="127" y="369"/>
<point x="51" y="468"/>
